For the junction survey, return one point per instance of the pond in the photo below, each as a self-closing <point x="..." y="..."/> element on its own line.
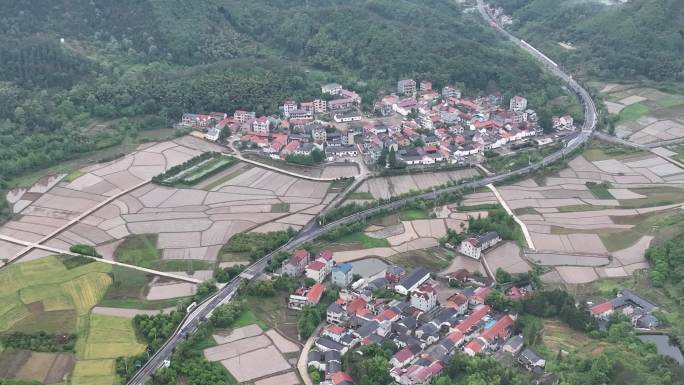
<point x="368" y="267"/>
<point x="664" y="345"/>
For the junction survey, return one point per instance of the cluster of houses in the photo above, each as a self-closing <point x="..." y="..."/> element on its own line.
<point x="430" y="127"/>
<point x="446" y="127"/>
<point x="637" y="309"/>
<point x="425" y="331"/>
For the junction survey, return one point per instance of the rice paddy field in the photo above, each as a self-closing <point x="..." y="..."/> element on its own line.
<point x="645" y="115"/>
<point x="56" y="297"/>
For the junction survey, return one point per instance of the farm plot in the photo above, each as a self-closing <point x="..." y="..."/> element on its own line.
<point x="193" y="224"/>
<point x="53" y="201"/>
<point x="581" y="215"/>
<point x="385" y="187"/>
<point x="646" y="115"/>
<point x="46" y="368"/>
<point x="250" y="354"/>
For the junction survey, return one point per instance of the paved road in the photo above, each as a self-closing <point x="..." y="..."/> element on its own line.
<point x="312" y="231"/>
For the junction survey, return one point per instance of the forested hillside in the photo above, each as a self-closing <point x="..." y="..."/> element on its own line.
<point x="638" y="40"/>
<point x="65" y="65"/>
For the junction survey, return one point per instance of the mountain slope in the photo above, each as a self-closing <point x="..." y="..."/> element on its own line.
<point x="640" y="39"/>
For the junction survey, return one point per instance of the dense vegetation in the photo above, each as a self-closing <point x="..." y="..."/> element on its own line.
<point x="497" y="220"/>
<point x="149" y="61"/>
<point x="640" y="39"/>
<point x="372" y="366"/>
<point x="667" y="263"/>
<point x="258" y="244"/>
<point x="38" y="342"/>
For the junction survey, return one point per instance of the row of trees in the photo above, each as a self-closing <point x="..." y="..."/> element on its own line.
<point x="38" y="342"/>
<point x="258" y="244"/>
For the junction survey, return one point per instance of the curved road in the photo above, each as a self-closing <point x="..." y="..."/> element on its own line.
<point x="312" y="231"/>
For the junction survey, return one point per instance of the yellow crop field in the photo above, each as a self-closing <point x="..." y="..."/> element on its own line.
<point x="111" y="337"/>
<point x="89" y="372"/>
<point x="87" y="290"/>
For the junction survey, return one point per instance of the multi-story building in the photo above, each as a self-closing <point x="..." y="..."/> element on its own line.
<point x="474" y="246"/>
<point x="288" y="107"/>
<point x="331" y="88"/>
<point x="320" y="106"/>
<point x="342" y="275"/>
<point x="424" y="297"/>
<point x="241" y="116"/>
<point x="406" y="87"/>
<point x="261" y="124"/>
<point x="297" y="262"/>
<point x="425" y="86"/>
<point x="518" y="103"/>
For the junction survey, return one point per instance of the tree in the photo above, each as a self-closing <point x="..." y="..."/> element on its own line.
<point x="392" y="158"/>
<point x="225" y="315"/>
<point x="498" y="301"/>
<point x="502" y="276"/>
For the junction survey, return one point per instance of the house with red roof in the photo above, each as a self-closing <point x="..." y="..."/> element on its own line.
<point x="501" y="330"/>
<point x="475" y="317"/>
<point x="458" y="302"/>
<point x="290" y="148"/>
<point x="456" y="337"/>
<point x="317" y="270"/>
<point x="405" y="356"/>
<point x="296" y="263"/>
<point x="261" y="124"/>
<point x="341" y="378"/>
<point x="473" y="347"/>
<point x="313" y="297"/>
<point x="334" y="332"/>
<point x="306" y="296"/>
<point x="602" y="310"/>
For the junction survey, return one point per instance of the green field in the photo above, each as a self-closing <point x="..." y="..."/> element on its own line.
<point x="603" y="151"/>
<point x="45" y="295"/>
<point x="480" y="207"/>
<point x="45" y="292"/>
<point x="141" y="250"/>
<point x="363" y="240"/>
<point x="249" y="318"/>
<point x="360" y="195"/>
<point x="435" y="259"/>
<point x="633" y="112"/>
<point x="600" y="190"/>
<point x="670" y="101"/>
<point x="413" y="214"/>
<point x="679" y="149"/>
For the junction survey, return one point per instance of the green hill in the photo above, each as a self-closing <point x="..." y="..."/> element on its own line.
<point x="635" y="40"/>
<point x="65" y="65"/>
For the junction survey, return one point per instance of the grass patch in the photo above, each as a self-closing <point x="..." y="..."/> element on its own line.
<point x="619" y="241"/>
<point x="226" y="178"/>
<point x="139" y="250"/>
<point x="600" y="190"/>
<point x="280" y="207"/>
<point x="633" y="112"/>
<point x="556" y="336"/>
<point x="363" y="240"/>
<point x="435" y="259"/>
<point x="89" y="372"/>
<point x="655" y="196"/>
<point x="596" y="151"/>
<point x="525" y="211"/>
<point x="679" y="149"/>
<point x="72" y="176"/>
<point x="111" y="337"/>
<point x="249" y="318"/>
<point x="273" y="312"/>
<point x="361" y="195"/>
<point x="579" y="208"/>
<point x="670" y="101"/>
<point x="413" y="214"/>
<point x="480" y="207"/>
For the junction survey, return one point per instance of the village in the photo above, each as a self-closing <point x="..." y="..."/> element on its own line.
<point x="416" y="127"/>
<point x="426" y="316"/>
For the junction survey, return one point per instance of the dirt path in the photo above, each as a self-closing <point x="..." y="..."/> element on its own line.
<point x="526" y="232"/>
<point x="301" y="363"/>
